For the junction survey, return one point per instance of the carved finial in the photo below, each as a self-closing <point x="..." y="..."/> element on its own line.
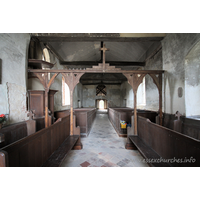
<point x="178" y="114"/>
<point x="31" y="114"/>
<point x="49" y="112"/>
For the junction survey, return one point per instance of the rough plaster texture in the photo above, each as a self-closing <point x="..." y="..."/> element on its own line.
<point x="13" y="52"/>
<point x="78" y="91"/>
<point x="152" y="95"/>
<point x="113" y="95"/>
<point x="192" y="81"/>
<point x="175" y="47"/>
<point x="127" y="95"/>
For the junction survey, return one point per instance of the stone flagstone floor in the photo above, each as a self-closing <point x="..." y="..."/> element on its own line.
<point x="103" y="148"/>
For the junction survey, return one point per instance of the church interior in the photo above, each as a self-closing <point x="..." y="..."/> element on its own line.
<point x="99" y="99"/>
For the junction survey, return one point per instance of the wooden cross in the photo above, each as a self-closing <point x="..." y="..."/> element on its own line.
<point x="178" y="114"/>
<point x="104" y="49"/>
<point x="31" y="114"/>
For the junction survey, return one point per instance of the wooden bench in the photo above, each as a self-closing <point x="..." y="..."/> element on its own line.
<point x="56" y="159"/>
<point x="47" y="147"/>
<point x="125" y="114"/>
<point x="161" y="146"/>
<point x="15" y="132"/>
<point x="84" y="118"/>
<point x="147" y="152"/>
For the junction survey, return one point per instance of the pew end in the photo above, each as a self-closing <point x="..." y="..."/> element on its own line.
<point x="3" y="159"/>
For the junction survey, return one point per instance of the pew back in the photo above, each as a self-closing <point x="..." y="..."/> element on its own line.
<point x="169" y="144"/>
<point x="34" y="150"/>
<point x="126" y="114"/>
<point x="85" y="118"/>
<point x="13" y="133"/>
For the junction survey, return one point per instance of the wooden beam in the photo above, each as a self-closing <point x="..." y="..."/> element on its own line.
<point x="96" y="71"/>
<point x="96" y="39"/>
<point x="95" y="63"/>
<point x="105" y="79"/>
<point x="101" y="83"/>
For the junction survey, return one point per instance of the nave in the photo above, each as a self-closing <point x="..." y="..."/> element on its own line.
<point x="103" y="148"/>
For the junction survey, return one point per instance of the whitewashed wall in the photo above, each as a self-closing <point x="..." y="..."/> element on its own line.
<point x="14" y="52"/>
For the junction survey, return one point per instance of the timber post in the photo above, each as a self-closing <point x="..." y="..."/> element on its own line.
<point x="157" y="79"/>
<point x="43" y="77"/>
<point x="72" y="79"/>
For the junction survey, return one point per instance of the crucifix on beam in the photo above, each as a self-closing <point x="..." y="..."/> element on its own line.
<point x="104" y="49"/>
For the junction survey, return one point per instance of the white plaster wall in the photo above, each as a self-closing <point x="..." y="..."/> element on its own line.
<point x="152" y="95"/>
<point x="127" y="93"/>
<point x="193" y="100"/>
<point x="14" y="52"/>
<point x="77" y="96"/>
<point x="113" y="95"/>
<point x="192" y="81"/>
<point x="175" y="47"/>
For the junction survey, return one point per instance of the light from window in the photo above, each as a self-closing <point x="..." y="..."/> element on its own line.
<point x="65" y="93"/>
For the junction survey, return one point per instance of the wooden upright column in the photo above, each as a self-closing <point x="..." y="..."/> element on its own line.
<point x="72" y="79"/>
<point x="43" y="77"/>
<point x="135" y="80"/>
<point x="157" y="79"/>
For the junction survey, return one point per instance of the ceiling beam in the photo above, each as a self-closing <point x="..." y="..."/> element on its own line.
<point x="96" y="39"/>
<point x="95" y="63"/>
<point x="105" y="79"/>
<point x="97" y="71"/>
<point x="99" y="83"/>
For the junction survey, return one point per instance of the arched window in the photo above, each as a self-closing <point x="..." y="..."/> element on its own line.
<point x="65" y="93"/>
<point x="46" y="55"/>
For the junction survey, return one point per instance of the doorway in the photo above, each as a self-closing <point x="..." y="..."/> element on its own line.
<point x="101" y="104"/>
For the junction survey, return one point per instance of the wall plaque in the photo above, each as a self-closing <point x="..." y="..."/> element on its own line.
<point x="180" y="92"/>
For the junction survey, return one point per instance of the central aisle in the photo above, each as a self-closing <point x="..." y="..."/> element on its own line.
<point x="103" y="148"/>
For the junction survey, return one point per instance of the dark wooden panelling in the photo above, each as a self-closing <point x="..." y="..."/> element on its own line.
<point x="85" y="118"/>
<point x="190" y="127"/>
<point x="40" y="123"/>
<point x="61" y="113"/>
<point x="35" y="149"/>
<point x="13" y="133"/>
<point x="169" y="144"/>
<point x="59" y="155"/>
<point x="124" y="114"/>
<point x="36" y="102"/>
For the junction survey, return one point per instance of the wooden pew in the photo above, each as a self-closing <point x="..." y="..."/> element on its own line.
<point x="3" y="159"/>
<point x="14" y="132"/>
<point x="36" y="150"/>
<point x="117" y="114"/>
<point x="125" y="114"/>
<point x="190" y="125"/>
<point x="167" y="147"/>
<point x="85" y="118"/>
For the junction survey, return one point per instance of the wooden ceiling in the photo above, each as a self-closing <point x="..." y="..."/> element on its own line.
<point x="128" y="51"/>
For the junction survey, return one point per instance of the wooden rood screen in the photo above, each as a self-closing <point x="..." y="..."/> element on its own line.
<point x="72" y="78"/>
<point x="35" y="149"/>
